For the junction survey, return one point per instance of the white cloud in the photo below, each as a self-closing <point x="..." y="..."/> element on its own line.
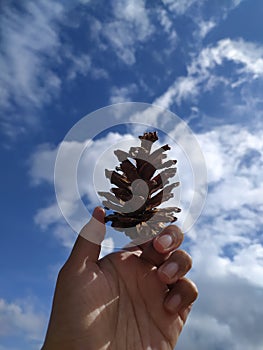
<point x="205" y="27"/>
<point x="181" y="89"/>
<point x="42" y="169"/>
<point x="180" y="6"/>
<point x="31" y="52"/>
<point x="47" y="216"/>
<point x="28" y="38"/>
<point x="228" y="151"/>
<point x="135" y="13"/>
<point x="226" y="243"/>
<point x="191" y="7"/>
<point x="211" y="333"/>
<point x="227" y="247"/>
<point x="249" y="55"/>
<point x="81" y="64"/>
<point x="201" y="72"/>
<point x="168" y="27"/>
<point x="99" y="73"/>
<point x="44" y="154"/>
<point x="226" y="316"/>
<point x="21" y="319"/>
<point x="123" y="94"/>
<point x="165" y="20"/>
<point x="62" y="231"/>
<point x="129" y="28"/>
<point x="252" y="258"/>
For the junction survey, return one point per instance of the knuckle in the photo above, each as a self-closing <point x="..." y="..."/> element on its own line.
<point x="189" y="261"/>
<point x="194" y="293"/>
<point x="191" y="289"/>
<point x="184" y="259"/>
<point x="188" y="291"/>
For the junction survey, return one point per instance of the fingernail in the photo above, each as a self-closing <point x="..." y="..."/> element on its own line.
<point x="165" y="241"/>
<point x="174" y="302"/>
<point x="170" y="269"/>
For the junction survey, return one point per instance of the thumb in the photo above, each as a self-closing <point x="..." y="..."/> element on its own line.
<point x="88" y="243"/>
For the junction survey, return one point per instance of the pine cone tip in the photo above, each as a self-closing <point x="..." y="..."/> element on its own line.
<point x="149" y="136"/>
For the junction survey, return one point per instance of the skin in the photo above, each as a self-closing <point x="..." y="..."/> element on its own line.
<point x="124" y="301"/>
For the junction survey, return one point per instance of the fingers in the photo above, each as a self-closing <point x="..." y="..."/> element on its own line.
<point x="172" y="266"/>
<point x="175" y="267"/>
<point x="183" y="291"/>
<point x="88" y="243"/>
<point x="181" y="296"/>
<point x="158" y="250"/>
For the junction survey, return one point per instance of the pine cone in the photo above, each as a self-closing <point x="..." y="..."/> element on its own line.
<point x="134" y="200"/>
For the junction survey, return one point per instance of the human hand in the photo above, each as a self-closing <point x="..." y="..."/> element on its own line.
<point x="128" y="300"/>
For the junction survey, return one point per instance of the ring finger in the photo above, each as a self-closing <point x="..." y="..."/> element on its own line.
<point x="175" y="267"/>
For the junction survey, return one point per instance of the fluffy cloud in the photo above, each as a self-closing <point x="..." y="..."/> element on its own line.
<point x="204" y="27"/>
<point x="31" y="52"/>
<point x="233" y="159"/>
<point x="246" y="54"/>
<point x="192" y="8"/>
<point x="181" y="6"/>
<point x="122" y="94"/>
<point x="81" y="65"/>
<point x="226" y="315"/>
<point x="202" y="72"/>
<point x="21" y="319"/>
<point x="168" y="26"/>
<point x="183" y="88"/>
<point x="227" y="247"/>
<point x="130" y="27"/>
<point x="28" y="37"/>
<point x="45" y="154"/>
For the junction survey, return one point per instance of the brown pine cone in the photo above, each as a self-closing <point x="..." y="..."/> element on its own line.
<point x="138" y="192"/>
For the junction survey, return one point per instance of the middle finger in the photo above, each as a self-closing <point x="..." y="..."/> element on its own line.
<point x="175" y="267"/>
<point x="159" y="249"/>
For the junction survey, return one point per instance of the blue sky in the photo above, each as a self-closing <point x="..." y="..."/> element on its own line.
<point x="200" y="59"/>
